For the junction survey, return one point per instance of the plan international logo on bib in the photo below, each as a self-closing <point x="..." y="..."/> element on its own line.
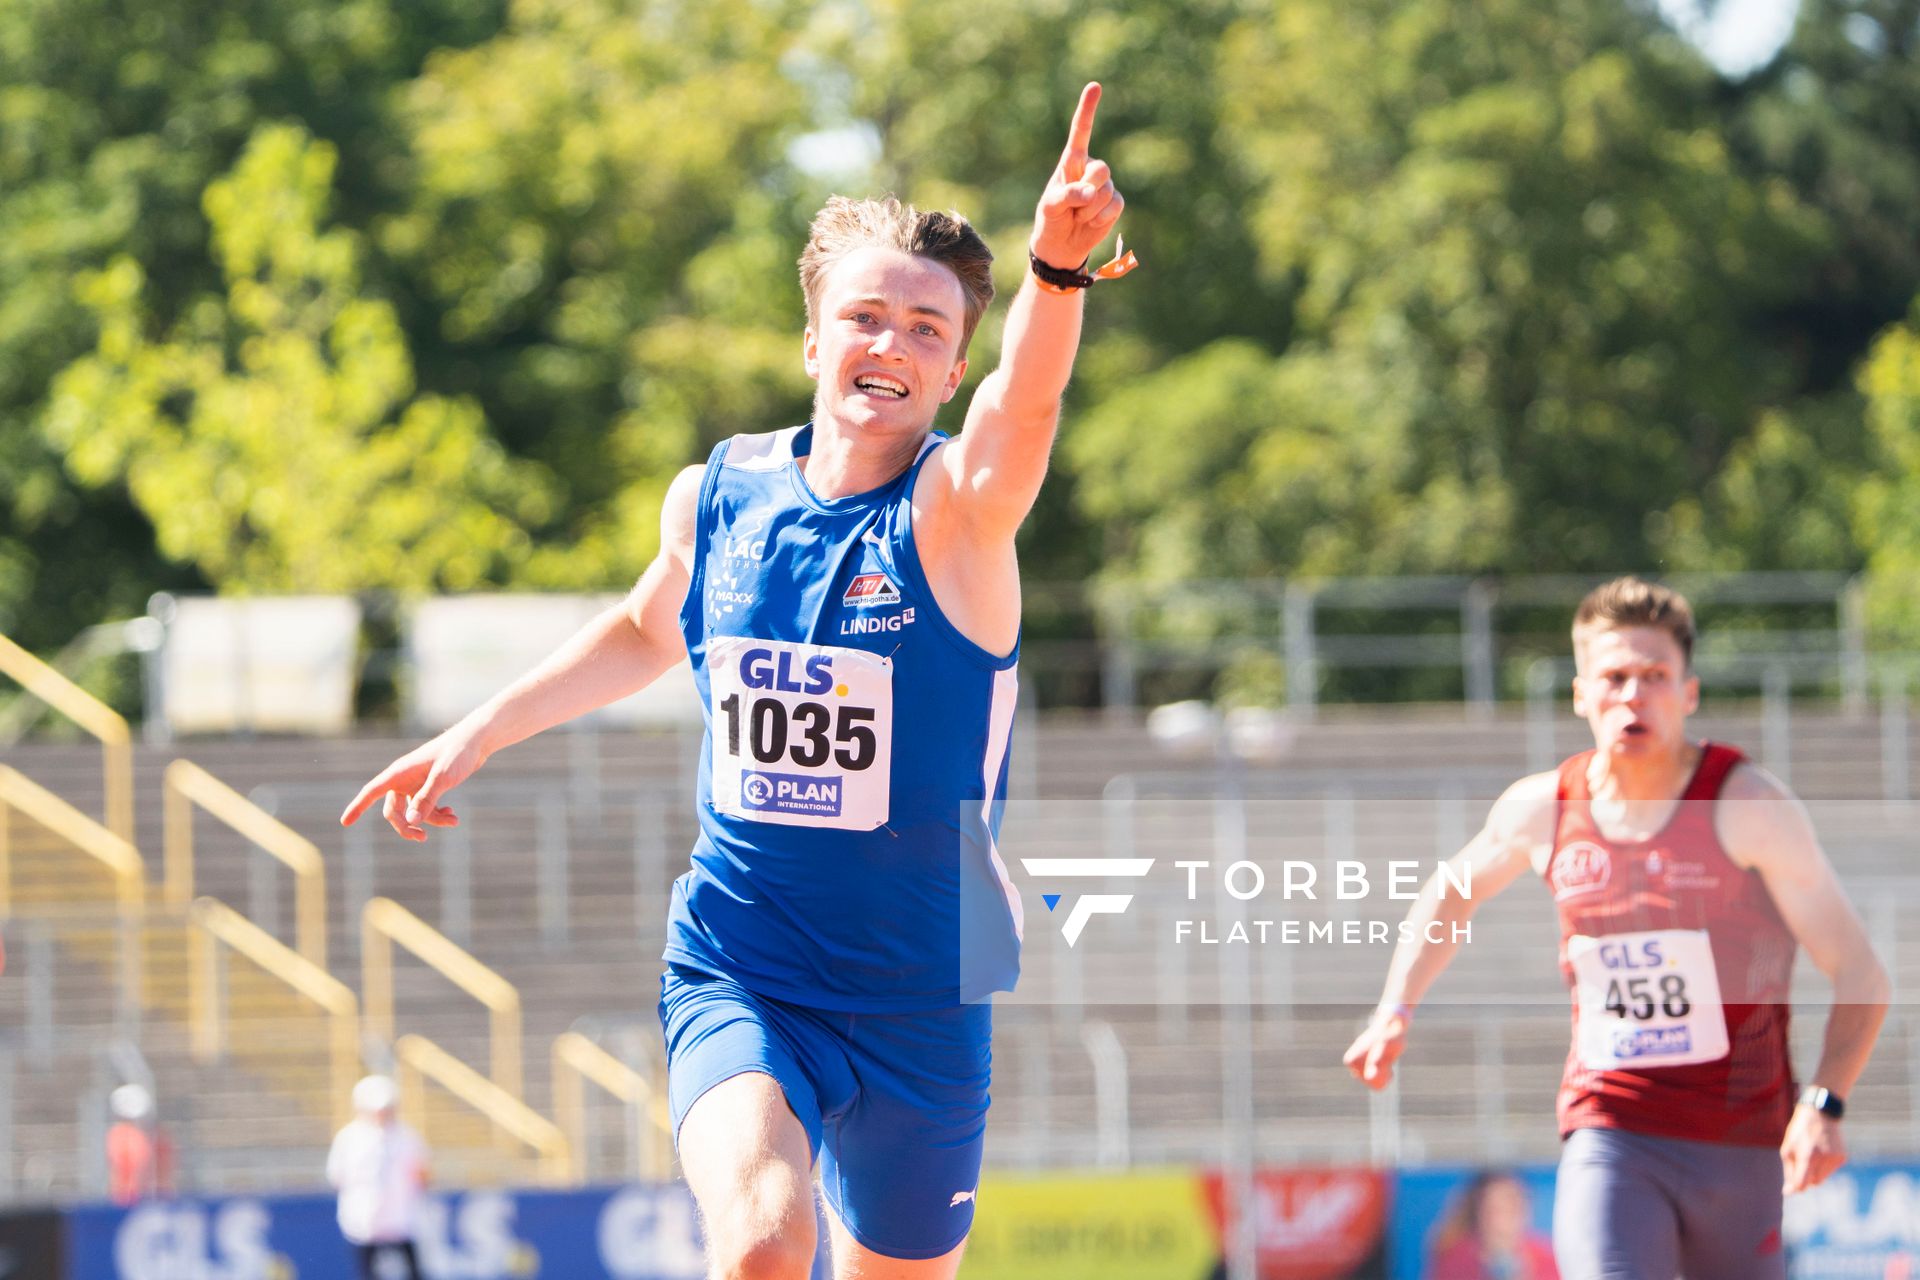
<point x="790" y="793"/>
<point x="1651" y="1041"/>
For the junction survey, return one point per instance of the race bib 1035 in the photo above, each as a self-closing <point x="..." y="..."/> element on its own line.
<point x="1648" y="999"/>
<point x="802" y="733"/>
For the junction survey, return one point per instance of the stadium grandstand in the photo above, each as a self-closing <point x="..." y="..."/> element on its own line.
<point x="182" y="910"/>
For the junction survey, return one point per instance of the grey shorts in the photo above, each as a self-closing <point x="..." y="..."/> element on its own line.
<point x="1628" y="1206"/>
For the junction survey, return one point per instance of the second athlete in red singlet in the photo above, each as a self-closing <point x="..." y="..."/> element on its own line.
<point x="1685" y="878"/>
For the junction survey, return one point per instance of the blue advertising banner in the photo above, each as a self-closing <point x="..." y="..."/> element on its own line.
<point x="615" y="1233"/>
<point x="1446" y="1224"/>
<point x="1861" y="1224"/>
<point x="1461" y="1223"/>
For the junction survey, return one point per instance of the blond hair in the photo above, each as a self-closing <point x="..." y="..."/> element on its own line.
<point x="1635" y="602"/>
<point x="845" y="225"/>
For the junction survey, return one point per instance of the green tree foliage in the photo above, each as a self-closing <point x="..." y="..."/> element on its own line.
<point x="114" y="117"/>
<point x="1838" y="117"/>
<point x="1888" y="501"/>
<point x="599" y="223"/>
<point x="306" y="294"/>
<point x="1525" y="259"/>
<point x="1784" y="497"/>
<point x="272" y="435"/>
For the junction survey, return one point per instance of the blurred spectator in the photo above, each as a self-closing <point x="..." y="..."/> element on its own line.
<point x="379" y="1167"/>
<point x="139" y="1153"/>
<point x="1490" y="1235"/>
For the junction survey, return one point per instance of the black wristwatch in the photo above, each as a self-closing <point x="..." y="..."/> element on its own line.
<point x="1824" y="1100"/>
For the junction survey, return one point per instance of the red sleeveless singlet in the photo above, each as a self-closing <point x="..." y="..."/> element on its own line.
<point x="1648" y="930"/>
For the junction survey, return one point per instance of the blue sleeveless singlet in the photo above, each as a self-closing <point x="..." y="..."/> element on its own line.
<point x="855" y="762"/>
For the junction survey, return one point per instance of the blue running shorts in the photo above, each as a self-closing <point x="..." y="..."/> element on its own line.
<point x="894" y="1104"/>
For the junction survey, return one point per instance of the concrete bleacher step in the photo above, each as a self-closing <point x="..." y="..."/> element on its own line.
<point x="1412" y="779"/>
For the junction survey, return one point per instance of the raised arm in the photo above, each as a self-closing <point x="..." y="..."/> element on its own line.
<point x="1516" y="837"/>
<point x="1765" y="828"/>
<point x="618" y="653"/>
<point x="996" y="466"/>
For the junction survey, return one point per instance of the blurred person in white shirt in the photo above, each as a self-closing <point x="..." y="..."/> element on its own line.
<point x="379" y="1167"/>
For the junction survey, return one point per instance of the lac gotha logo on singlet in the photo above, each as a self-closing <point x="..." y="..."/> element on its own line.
<point x="1581" y="867"/>
<point x="743" y="548"/>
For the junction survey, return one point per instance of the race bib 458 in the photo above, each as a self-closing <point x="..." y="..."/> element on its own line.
<point x="1648" y="999"/>
<point x="802" y="733"/>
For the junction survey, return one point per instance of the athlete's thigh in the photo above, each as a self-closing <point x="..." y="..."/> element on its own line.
<point x="900" y="1164"/>
<point x="743" y="1080"/>
<point x="1730" y="1210"/>
<point x="854" y="1261"/>
<point x="746" y="1159"/>
<point x="1612" y="1216"/>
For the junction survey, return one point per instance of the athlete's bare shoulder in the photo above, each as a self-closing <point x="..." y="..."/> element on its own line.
<point x="1759" y="820"/>
<point x="680" y="515"/>
<point x="1522" y="819"/>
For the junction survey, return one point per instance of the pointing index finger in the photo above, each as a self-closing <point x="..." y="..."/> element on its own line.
<point x="1080" y="134"/>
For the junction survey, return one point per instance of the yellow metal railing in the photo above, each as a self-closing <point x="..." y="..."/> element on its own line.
<point x="187" y="786"/>
<point x="20" y="793"/>
<point x="215" y="924"/>
<point x="115" y="852"/>
<point x="576" y="1060"/>
<point x="418" y="1057"/>
<point x="92" y="715"/>
<point x="385" y="924"/>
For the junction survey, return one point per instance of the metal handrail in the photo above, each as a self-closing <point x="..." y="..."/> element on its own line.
<point x="92" y="715"/>
<point x="107" y="847"/>
<point x="416" y="1056"/>
<point x="215" y="922"/>
<point x="188" y="785"/>
<point x="117" y="854"/>
<point x="577" y="1059"/>
<point x="385" y="923"/>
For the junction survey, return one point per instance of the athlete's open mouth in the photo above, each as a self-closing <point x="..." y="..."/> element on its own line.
<point x="1634" y="730"/>
<point x="876" y="385"/>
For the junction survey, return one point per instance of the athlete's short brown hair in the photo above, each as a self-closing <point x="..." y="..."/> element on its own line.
<point x="845" y="225"/>
<point x="1635" y="602"/>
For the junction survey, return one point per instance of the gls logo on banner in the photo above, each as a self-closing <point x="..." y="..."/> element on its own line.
<point x="1088" y="905"/>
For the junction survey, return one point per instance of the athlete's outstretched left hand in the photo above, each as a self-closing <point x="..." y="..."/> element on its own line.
<point x="1812" y="1151"/>
<point x="1372" y="1054"/>
<point x="1080" y="205"/>
<point x="411" y="788"/>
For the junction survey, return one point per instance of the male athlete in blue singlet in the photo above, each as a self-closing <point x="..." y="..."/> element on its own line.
<point x="848" y="594"/>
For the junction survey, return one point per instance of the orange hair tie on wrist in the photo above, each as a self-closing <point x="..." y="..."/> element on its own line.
<point x="1123" y="262"/>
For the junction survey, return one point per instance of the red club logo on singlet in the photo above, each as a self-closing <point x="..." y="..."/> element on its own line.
<point x="1581" y="867"/>
<point x="869" y="590"/>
